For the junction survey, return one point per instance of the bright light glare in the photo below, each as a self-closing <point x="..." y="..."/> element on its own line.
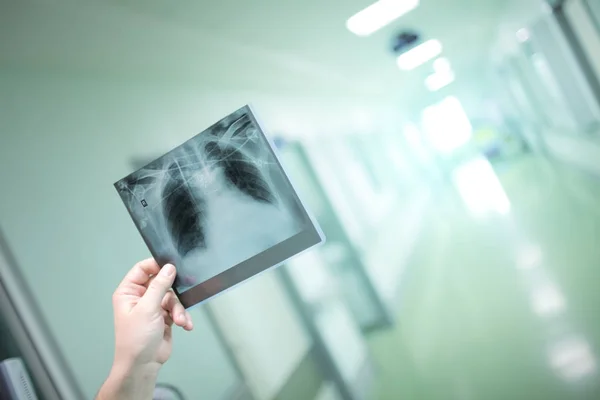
<point x="547" y="300"/>
<point x="419" y="55"/>
<point x="573" y="359"/>
<point x="480" y="188"/>
<point x="447" y="125"/>
<point x="437" y="81"/>
<point x="378" y="15"/>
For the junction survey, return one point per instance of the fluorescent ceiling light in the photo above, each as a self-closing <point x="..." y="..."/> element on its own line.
<point x="419" y="55"/>
<point x="378" y="15"/>
<point x="439" y="80"/>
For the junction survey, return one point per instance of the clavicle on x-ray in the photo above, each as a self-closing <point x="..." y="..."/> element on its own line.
<point x="216" y="200"/>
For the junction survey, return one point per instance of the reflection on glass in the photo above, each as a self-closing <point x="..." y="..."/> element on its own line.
<point x="480" y="188"/>
<point x="573" y="359"/>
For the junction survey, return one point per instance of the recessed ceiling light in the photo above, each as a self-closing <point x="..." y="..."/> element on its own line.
<point x="435" y="82"/>
<point x="378" y="15"/>
<point x="419" y="55"/>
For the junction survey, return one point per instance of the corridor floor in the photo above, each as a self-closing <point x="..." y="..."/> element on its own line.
<point x="501" y="306"/>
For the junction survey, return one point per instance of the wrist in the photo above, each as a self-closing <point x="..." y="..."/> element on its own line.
<point x="133" y="371"/>
<point x="131" y="381"/>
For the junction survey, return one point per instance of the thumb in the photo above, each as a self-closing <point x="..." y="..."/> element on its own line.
<point x="159" y="286"/>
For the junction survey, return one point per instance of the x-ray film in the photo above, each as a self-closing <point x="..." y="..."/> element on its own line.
<point x="219" y="207"/>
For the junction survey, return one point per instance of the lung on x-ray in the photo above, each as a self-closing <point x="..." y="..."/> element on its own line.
<point x="219" y="207"/>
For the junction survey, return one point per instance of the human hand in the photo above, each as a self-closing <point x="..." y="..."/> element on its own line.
<point x="145" y="309"/>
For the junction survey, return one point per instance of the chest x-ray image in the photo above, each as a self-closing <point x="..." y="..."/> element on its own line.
<point x="217" y="200"/>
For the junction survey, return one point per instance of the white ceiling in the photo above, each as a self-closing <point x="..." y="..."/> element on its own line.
<point x="294" y="46"/>
<point x="310" y="35"/>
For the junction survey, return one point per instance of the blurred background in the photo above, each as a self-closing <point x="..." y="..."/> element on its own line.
<point x="450" y="150"/>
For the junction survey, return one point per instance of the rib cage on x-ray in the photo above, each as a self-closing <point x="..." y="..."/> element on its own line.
<point x="183" y="211"/>
<point x="183" y="204"/>
<point x="219" y="206"/>
<point x="177" y="187"/>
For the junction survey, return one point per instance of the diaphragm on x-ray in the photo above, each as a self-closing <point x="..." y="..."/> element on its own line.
<point x="219" y="207"/>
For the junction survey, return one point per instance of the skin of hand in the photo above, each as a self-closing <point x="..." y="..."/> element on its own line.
<point x="145" y="309"/>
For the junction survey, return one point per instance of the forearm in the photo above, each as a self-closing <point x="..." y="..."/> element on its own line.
<point x="129" y="383"/>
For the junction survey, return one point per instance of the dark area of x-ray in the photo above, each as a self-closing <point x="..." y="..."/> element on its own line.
<point x="216" y="200"/>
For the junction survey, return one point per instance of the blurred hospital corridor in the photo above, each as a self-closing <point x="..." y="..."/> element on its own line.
<point x="503" y="306"/>
<point x="448" y="150"/>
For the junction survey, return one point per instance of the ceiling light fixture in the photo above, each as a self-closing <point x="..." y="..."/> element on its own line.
<point x="437" y="81"/>
<point x="419" y="55"/>
<point x="378" y="15"/>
